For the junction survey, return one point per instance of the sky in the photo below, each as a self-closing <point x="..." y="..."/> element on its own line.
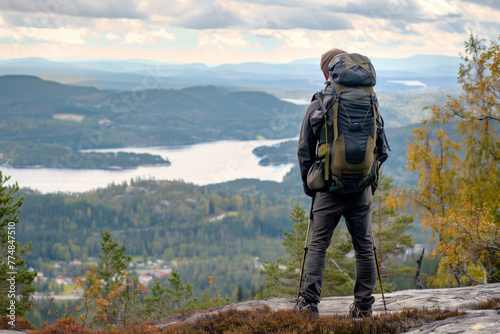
<point x="237" y="31"/>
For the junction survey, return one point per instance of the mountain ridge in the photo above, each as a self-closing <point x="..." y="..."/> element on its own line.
<point x="303" y="73"/>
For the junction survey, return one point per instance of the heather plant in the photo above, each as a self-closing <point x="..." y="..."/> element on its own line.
<point x="264" y="320"/>
<point x="71" y="326"/>
<point x="21" y="323"/>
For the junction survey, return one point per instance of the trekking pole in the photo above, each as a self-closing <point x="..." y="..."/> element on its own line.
<point x="306" y="248"/>
<point x="378" y="272"/>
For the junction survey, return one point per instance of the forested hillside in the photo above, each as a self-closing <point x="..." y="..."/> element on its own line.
<point x="215" y="227"/>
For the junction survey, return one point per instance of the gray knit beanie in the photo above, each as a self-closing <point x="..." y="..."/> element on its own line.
<point x="327" y="57"/>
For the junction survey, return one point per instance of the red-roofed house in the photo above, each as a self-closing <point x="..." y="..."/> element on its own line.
<point x="145" y="279"/>
<point x="161" y="273"/>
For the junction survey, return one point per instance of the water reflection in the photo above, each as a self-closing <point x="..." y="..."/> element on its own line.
<point x="201" y="164"/>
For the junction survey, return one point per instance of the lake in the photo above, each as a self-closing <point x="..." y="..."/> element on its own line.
<point x="202" y="164"/>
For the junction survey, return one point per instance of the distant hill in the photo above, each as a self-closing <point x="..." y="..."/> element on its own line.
<point x="18" y="90"/>
<point x="420" y="73"/>
<point x="147" y="117"/>
<point x="46" y="119"/>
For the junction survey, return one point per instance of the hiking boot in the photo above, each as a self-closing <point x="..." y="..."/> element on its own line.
<point x="303" y="305"/>
<point x="356" y="313"/>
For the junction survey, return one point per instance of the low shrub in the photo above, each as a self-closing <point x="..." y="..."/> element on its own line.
<point x="263" y="320"/>
<point x="71" y="326"/>
<point x="20" y="323"/>
<point x="490" y="304"/>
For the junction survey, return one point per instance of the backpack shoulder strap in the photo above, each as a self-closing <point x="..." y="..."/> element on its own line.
<point x="336" y="103"/>
<point x="327" y="142"/>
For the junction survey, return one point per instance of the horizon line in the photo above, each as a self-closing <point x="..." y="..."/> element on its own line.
<point x="90" y="59"/>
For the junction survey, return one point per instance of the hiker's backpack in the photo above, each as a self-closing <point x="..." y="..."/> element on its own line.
<point x="346" y="127"/>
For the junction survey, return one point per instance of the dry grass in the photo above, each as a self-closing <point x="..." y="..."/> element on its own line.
<point x="490" y="304"/>
<point x="264" y="321"/>
<point x="20" y="323"/>
<point x="71" y="326"/>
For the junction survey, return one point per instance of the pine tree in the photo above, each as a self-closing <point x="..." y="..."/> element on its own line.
<point x="112" y="262"/>
<point x="179" y="293"/>
<point x="389" y="230"/>
<point x="163" y="300"/>
<point x="240" y="292"/>
<point x="282" y="276"/>
<point x="13" y="270"/>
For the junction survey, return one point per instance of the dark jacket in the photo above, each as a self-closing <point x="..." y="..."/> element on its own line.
<point x="306" y="150"/>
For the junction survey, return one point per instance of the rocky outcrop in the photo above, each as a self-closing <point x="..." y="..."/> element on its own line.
<point x="465" y="299"/>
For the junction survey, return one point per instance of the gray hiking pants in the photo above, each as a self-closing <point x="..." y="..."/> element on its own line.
<point x="327" y="209"/>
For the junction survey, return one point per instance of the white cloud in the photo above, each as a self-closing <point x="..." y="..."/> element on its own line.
<point x="61" y="35"/>
<point x="105" y="24"/>
<point x="304" y="39"/>
<point x="142" y="6"/>
<point x="282" y="29"/>
<point x="162" y="34"/>
<point x="222" y="39"/>
<point x="112" y="37"/>
<point x="134" y="38"/>
<point x="145" y="37"/>
<point x="437" y="8"/>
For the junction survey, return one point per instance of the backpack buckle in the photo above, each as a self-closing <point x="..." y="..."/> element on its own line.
<point x="355" y="126"/>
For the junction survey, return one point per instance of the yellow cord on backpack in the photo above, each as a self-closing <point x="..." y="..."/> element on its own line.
<point x="327" y="158"/>
<point x="335" y="118"/>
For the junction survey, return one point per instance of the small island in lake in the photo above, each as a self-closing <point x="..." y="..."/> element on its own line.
<point x="82" y="160"/>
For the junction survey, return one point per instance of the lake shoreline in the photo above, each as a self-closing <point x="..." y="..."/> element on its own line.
<point x="200" y="164"/>
<point x="88" y="168"/>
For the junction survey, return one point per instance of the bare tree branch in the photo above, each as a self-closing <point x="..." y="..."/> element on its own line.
<point x="340" y="269"/>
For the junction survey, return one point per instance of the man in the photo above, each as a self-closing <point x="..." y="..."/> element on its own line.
<point x="327" y="209"/>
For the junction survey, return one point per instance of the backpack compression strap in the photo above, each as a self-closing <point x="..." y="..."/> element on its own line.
<point x="327" y="158"/>
<point x="327" y="143"/>
<point x="336" y="104"/>
<point x="375" y="112"/>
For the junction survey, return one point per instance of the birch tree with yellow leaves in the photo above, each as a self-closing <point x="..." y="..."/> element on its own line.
<point x="457" y="195"/>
